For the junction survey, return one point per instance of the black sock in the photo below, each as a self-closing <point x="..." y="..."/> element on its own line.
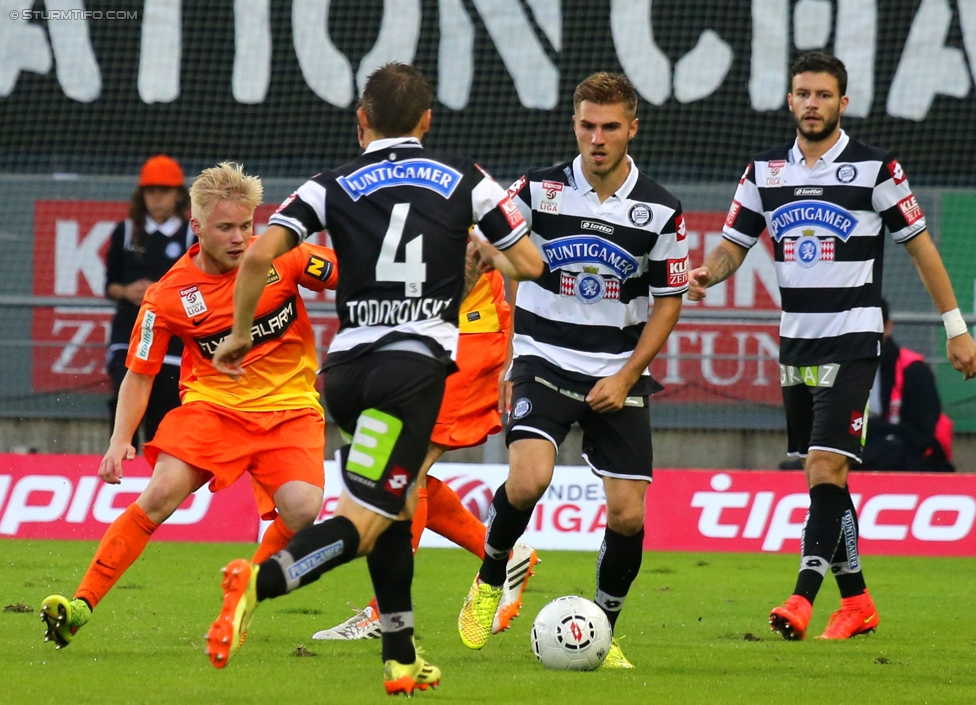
<point x="391" y="569"/>
<point x="312" y="552"/>
<point x="846" y="562"/>
<point x="618" y="564"/>
<point x="821" y="534"/>
<point x="506" y="524"/>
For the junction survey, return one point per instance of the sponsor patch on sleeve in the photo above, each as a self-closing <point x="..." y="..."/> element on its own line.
<point x="745" y="174"/>
<point x="733" y="212"/>
<point x="318" y="267"/>
<point x="512" y="214"/>
<point x="681" y="228"/>
<point x="678" y="272"/>
<point x="287" y="202"/>
<point x="910" y="209"/>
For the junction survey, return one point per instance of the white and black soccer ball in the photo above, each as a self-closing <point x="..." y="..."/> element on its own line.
<point x="571" y="634"/>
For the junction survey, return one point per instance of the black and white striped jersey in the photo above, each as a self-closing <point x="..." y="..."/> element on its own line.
<point x="827" y="226"/>
<point x="399" y="217"/>
<point x="580" y="321"/>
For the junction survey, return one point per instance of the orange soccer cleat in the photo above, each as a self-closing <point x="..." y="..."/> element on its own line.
<point x="791" y="618"/>
<point x="240" y="600"/>
<point x="857" y="615"/>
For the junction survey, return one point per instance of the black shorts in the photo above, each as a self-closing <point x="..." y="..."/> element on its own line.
<point x="385" y="404"/>
<point x="615" y="444"/>
<point x="826" y="406"/>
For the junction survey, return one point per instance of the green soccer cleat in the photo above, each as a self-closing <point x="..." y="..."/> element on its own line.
<point x="399" y="678"/>
<point x="615" y="656"/>
<point x="478" y="614"/>
<point x="228" y="631"/>
<point x="63" y="618"/>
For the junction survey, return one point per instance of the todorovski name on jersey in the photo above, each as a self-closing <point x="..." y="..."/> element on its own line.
<point x="374" y="312"/>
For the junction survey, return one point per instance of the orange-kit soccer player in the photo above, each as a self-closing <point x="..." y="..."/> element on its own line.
<point x="272" y="426"/>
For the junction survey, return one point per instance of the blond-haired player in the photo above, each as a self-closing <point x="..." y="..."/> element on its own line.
<point x="272" y="427"/>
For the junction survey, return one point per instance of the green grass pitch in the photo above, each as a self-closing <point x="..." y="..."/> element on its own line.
<point x="695" y="626"/>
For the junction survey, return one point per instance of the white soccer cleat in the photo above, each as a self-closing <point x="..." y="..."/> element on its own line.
<point x="365" y="624"/>
<point x="518" y="571"/>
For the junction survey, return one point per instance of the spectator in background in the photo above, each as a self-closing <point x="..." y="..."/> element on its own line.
<point x="907" y="429"/>
<point x="142" y="249"/>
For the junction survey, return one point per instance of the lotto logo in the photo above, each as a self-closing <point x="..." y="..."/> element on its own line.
<point x="678" y="272"/>
<point x="910" y="209"/>
<point x="857" y="423"/>
<point x="897" y="173"/>
<point x="733" y="212"/>
<point x="398" y="481"/>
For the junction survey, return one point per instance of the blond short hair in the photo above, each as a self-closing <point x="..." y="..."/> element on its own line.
<point x="227" y="180"/>
<point x="606" y="88"/>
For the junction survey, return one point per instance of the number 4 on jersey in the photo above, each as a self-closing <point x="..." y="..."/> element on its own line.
<point x="413" y="271"/>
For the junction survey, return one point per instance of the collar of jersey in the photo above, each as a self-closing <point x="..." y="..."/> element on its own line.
<point x="169" y="228"/>
<point x="584" y="186"/>
<point x="388" y="142"/>
<point x="830" y="156"/>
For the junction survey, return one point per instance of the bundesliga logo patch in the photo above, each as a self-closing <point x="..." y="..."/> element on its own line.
<point x="192" y="301"/>
<point x="589" y="287"/>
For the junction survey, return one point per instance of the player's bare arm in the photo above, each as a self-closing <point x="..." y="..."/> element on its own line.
<point x="251" y="279"/>
<point x="960" y="349"/>
<point x="720" y="264"/>
<point x="610" y="393"/>
<point x="472" y="271"/>
<point x="520" y="262"/>
<point x="133" y="400"/>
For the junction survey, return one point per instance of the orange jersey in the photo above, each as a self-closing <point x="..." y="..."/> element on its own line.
<point x="485" y="310"/>
<point x="199" y="308"/>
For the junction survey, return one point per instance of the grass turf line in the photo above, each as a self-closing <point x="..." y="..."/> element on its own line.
<point x="695" y="626"/>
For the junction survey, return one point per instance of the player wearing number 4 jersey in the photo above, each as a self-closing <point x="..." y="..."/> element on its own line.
<point x="398" y="217"/>
<point x="825" y="201"/>
<point x="271" y="428"/>
<point x="474" y="398"/>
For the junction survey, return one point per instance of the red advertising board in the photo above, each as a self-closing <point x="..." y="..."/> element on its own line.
<point x="71" y="239"/>
<point x="724" y="361"/>
<point x="61" y="497"/>
<point x="900" y="514"/>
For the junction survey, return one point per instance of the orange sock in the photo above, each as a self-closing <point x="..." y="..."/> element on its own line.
<point x="448" y="517"/>
<point x="124" y="541"/>
<point x="419" y="519"/>
<point x="276" y="537"/>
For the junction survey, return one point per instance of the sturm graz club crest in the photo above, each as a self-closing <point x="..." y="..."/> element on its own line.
<point x="807" y="251"/>
<point x="589" y="287"/>
<point x="521" y="408"/>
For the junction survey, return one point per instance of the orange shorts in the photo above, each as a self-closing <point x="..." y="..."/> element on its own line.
<point x="469" y="412"/>
<point x="275" y="447"/>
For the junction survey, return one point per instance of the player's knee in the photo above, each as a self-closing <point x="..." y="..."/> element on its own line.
<point x="301" y="509"/>
<point x="626" y="520"/>
<point x="523" y="492"/>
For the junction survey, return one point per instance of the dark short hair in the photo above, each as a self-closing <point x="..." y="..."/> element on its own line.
<point x="605" y="88"/>
<point x="396" y="96"/>
<point x="820" y="62"/>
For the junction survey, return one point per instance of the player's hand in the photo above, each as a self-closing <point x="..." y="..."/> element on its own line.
<point x="230" y="354"/>
<point x="698" y="280"/>
<point x="962" y="354"/>
<point x="110" y="469"/>
<point x="609" y="394"/>
<point x="482" y="253"/>
<point x="504" y="394"/>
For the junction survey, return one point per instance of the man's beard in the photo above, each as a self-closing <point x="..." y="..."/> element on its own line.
<point x="829" y="126"/>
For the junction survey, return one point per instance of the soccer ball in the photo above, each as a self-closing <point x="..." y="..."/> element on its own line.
<point x="571" y="634"/>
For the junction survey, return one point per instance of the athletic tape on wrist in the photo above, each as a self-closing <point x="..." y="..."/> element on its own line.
<point x="954" y="323"/>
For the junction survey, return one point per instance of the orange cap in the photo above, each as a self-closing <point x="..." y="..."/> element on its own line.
<point x="161" y="171"/>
